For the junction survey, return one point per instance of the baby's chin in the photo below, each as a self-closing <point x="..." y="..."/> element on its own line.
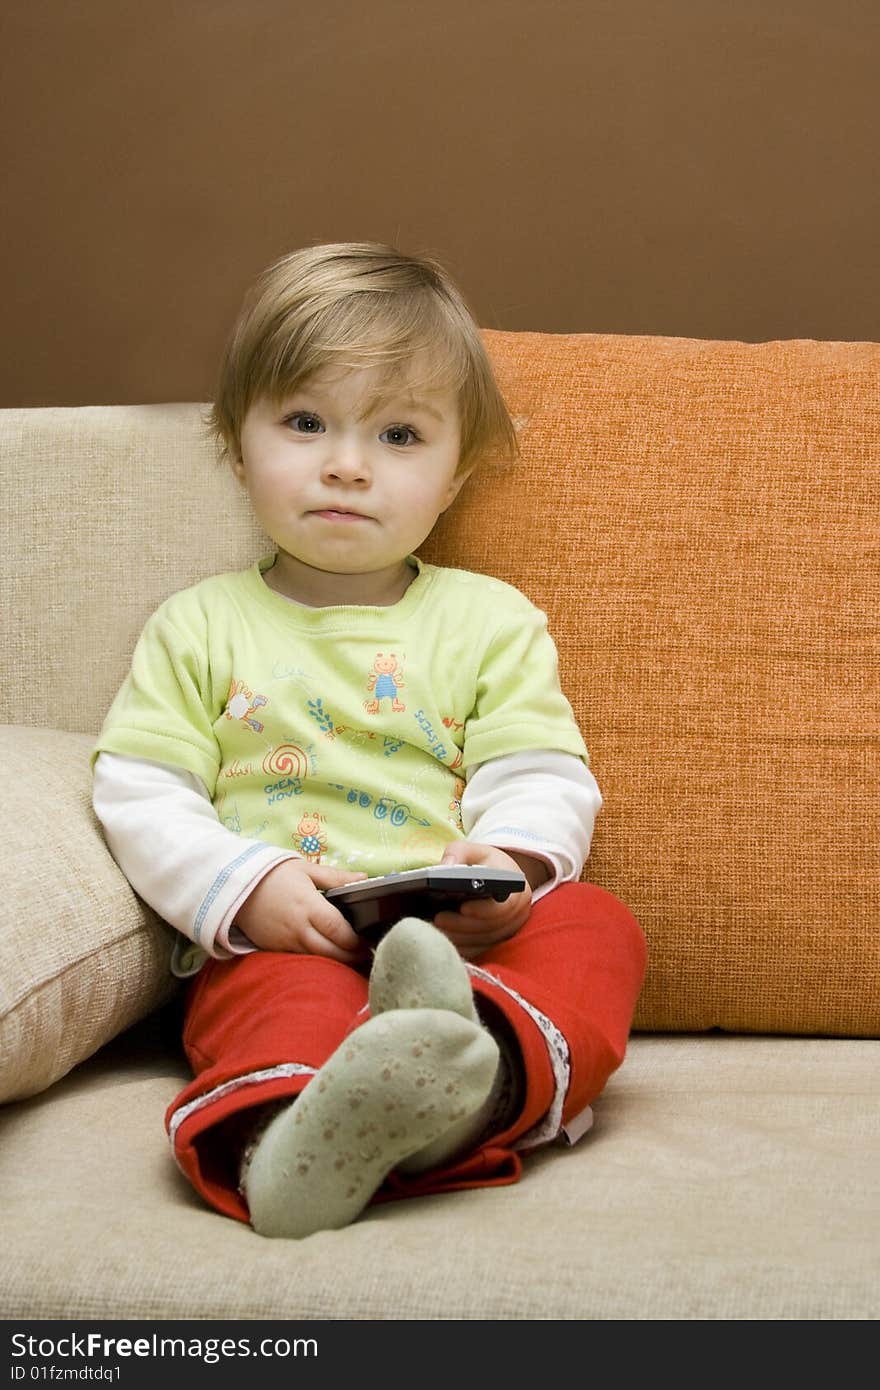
<point x="316" y="582"/>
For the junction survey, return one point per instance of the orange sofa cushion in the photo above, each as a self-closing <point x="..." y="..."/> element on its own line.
<point x="701" y="522"/>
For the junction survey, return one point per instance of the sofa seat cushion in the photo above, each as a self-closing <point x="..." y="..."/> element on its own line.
<point x="81" y="957"/>
<point x="723" y="1178"/>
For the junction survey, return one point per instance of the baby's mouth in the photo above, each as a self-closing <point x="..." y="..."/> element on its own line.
<point x="339" y="514"/>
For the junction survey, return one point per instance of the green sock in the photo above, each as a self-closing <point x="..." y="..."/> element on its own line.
<point x="416" y="967"/>
<point x="396" y="1084"/>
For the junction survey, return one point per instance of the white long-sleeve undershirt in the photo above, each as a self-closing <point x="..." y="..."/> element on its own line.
<point x="163" y="832"/>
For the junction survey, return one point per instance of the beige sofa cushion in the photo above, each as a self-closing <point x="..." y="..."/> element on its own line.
<point x="724" y="1178"/>
<point x="81" y="957"/>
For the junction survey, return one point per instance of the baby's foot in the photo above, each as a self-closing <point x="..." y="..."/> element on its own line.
<point x="400" y="1082"/>
<point x="416" y="967"/>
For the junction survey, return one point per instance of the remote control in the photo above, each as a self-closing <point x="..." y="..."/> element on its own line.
<point x="375" y="904"/>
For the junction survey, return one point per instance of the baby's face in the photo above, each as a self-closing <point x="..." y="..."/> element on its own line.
<point x="348" y="495"/>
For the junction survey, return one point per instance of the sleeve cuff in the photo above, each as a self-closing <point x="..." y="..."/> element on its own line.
<point x="213" y="929"/>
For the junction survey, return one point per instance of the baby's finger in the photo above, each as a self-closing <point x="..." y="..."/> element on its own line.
<point x="329" y="925"/>
<point x="463" y="933"/>
<point x="314" y="943"/>
<point x="323" y="876"/>
<point x="482" y="910"/>
<point x="470" y="947"/>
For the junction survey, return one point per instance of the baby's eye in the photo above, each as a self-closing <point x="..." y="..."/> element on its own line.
<point x="399" y="434"/>
<point x="304" y="422"/>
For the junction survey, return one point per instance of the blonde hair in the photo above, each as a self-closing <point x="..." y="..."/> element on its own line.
<point x="355" y="305"/>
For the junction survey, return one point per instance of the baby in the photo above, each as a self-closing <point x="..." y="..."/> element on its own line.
<point x="344" y="709"/>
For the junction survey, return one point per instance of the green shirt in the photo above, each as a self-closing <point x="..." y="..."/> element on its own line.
<point x="346" y="733"/>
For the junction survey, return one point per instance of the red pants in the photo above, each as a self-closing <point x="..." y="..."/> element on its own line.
<point x="258" y="1027"/>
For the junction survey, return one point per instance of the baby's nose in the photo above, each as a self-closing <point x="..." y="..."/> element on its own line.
<point x="347" y="463"/>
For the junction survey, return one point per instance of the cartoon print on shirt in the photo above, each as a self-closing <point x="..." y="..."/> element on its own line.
<point x="331" y="730"/>
<point x="423" y="847"/>
<point x="286" y="759"/>
<point x="406" y="821"/>
<point x="309" y="837"/>
<point x="235" y="769"/>
<point x="449" y="722"/>
<point x="455" y="803"/>
<point x="242" y="703"/>
<point x="441" y="750"/>
<point x="384" y="680"/>
<point x="320" y="715"/>
<point x="286" y="765"/>
<point x="228" y="817"/>
<point x="383" y="807"/>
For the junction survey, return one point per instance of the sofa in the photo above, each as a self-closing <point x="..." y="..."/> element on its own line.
<point x="701" y="522"/>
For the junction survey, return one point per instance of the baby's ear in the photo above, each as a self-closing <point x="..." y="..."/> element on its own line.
<point x="455" y="487"/>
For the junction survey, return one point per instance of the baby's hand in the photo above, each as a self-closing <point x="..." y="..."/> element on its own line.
<point x="481" y="923"/>
<point x="287" y="912"/>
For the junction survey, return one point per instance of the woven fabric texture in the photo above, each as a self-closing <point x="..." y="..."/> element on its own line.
<point x="81" y="957"/>
<point x="700" y="522"/>
<point x="724" y="1178"/>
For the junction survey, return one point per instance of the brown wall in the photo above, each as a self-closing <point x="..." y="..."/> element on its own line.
<point x="702" y="168"/>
